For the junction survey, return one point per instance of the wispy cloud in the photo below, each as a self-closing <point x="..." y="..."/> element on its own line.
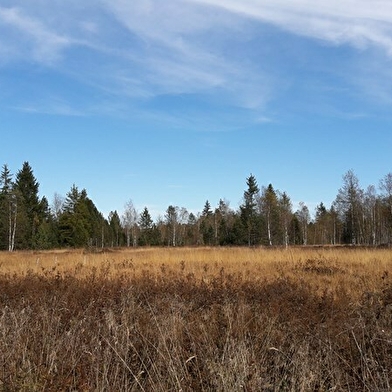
<point x="135" y="50"/>
<point x="131" y="52"/>
<point x="175" y="54"/>
<point x="356" y="22"/>
<point x="31" y="35"/>
<point x="50" y="108"/>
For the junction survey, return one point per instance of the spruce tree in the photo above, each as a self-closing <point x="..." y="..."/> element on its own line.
<point x="80" y="223"/>
<point x="146" y="224"/>
<point x="206" y="227"/>
<point x="115" y="229"/>
<point x="145" y="221"/>
<point x="270" y="212"/>
<point x="30" y="213"/>
<point x="46" y="235"/>
<point x="224" y="218"/>
<point x="250" y="195"/>
<point x="248" y="209"/>
<point x="207" y="209"/>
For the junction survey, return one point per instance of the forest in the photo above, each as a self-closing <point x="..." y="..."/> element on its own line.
<point x="265" y="217"/>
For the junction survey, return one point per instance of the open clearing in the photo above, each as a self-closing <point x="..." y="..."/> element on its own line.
<point x="197" y="319"/>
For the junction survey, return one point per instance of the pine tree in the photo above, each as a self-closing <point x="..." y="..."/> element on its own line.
<point x="207" y="209"/>
<point x="248" y="209"/>
<point x="192" y="234"/>
<point x="115" y="229"/>
<point x="5" y="180"/>
<point x="327" y="227"/>
<point x="268" y="205"/>
<point x="73" y="229"/>
<point x="80" y="223"/>
<point x="29" y="208"/>
<point x="206" y="228"/>
<point x="145" y="221"/>
<point x="146" y="224"/>
<point x="46" y="235"/>
<point x="224" y="219"/>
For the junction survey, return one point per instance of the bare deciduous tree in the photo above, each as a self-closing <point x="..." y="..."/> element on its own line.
<point x="129" y="220"/>
<point x="304" y="219"/>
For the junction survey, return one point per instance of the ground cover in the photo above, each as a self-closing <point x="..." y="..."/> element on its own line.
<point x="196" y="319"/>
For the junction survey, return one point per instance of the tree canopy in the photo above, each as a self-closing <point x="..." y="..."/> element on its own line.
<point x="358" y="216"/>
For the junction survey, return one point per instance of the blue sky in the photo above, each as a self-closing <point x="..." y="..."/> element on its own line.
<point x="178" y="102"/>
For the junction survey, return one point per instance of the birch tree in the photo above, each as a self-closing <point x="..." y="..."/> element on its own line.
<point x="13" y="213"/>
<point x="386" y="195"/>
<point x="285" y="212"/>
<point x="6" y="207"/>
<point x="57" y="205"/>
<point x="171" y="218"/>
<point x="304" y="219"/>
<point x="370" y="215"/>
<point x="129" y="220"/>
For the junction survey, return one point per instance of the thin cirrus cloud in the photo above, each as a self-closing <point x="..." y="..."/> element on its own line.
<point x="144" y="49"/>
<point x="356" y="22"/>
<point x="138" y="51"/>
<point x="31" y="37"/>
<point x="177" y="57"/>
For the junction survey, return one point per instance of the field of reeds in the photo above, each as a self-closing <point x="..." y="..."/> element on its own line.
<point x="196" y="319"/>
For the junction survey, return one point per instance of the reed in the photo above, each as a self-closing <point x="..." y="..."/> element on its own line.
<point x="196" y="319"/>
<point x="326" y="268"/>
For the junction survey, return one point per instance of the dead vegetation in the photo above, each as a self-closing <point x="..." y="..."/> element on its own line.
<point x="205" y="319"/>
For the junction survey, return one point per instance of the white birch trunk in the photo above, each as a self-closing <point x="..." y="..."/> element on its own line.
<point x="9" y="226"/>
<point x="14" y="229"/>
<point x="174" y="234"/>
<point x="269" y="230"/>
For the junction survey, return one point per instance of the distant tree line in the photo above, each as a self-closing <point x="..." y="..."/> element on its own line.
<point x="357" y="216"/>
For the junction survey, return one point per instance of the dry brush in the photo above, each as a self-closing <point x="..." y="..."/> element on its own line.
<point x="203" y="319"/>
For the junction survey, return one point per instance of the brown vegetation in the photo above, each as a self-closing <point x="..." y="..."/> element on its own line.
<point x="202" y="319"/>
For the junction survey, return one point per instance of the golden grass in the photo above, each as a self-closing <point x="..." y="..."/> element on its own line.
<point x="327" y="268"/>
<point x="196" y="319"/>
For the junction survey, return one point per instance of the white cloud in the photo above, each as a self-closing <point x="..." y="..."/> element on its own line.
<point x="173" y="55"/>
<point x="356" y="22"/>
<point x="45" y="45"/>
<point x="52" y="107"/>
<point x="136" y="50"/>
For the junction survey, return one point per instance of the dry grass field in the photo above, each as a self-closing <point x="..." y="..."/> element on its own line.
<point x="196" y="319"/>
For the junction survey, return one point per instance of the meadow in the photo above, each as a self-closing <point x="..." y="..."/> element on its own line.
<point x="197" y="319"/>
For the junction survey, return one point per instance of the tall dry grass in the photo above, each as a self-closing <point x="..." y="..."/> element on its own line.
<point x="197" y="319"/>
<point x="355" y="269"/>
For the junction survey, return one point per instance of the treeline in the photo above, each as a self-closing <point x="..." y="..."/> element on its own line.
<point x="357" y="216"/>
